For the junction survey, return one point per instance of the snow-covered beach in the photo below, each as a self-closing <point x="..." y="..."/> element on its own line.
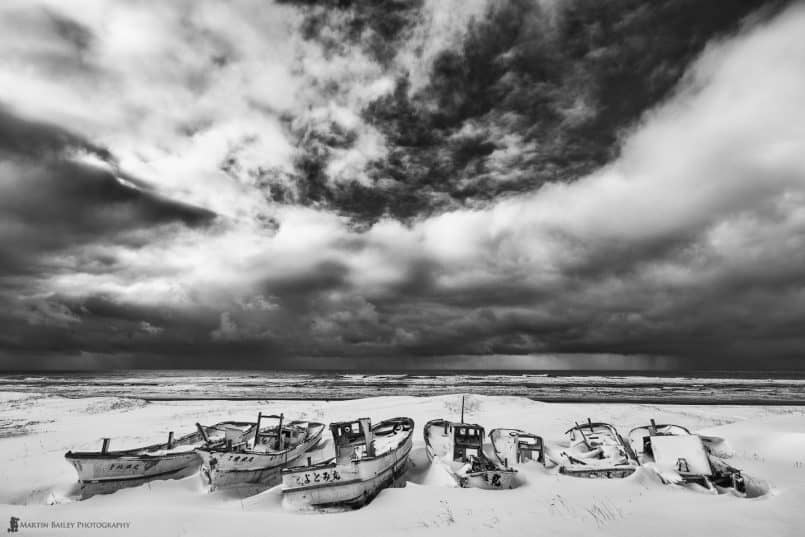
<point x="38" y="487"/>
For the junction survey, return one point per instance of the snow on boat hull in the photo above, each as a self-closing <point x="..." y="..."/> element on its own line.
<point x="458" y="447"/>
<point x="513" y="446"/>
<point x="222" y="466"/>
<point x="354" y="477"/>
<point x="158" y="461"/>
<point x="680" y="457"/>
<point x="597" y="450"/>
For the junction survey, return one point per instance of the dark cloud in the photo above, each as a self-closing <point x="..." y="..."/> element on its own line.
<point x="50" y="199"/>
<point x="551" y="178"/>
<point x="377" y="27"/>
<point x="531" y="95"/>
<point x="33" y="140"/>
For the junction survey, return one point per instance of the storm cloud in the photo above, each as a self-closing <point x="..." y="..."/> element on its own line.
<point x="393" y="184"/>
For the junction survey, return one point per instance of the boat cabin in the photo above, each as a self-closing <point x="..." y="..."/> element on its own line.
<point x="277" y="438"/>
<point x="530" y="448"/>
<point x="468" y="441"/>
<point x="640" y="437"/>
<point x="353" y="439"/>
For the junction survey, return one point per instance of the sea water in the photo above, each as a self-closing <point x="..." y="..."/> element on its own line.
<point x="698" y="388"/>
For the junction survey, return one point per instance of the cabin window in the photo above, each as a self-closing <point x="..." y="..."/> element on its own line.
<point x="129" y="466"/>
<point x="236" y="459"/>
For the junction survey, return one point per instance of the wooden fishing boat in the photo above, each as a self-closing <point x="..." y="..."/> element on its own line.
<point x="367" y="459"/>
<point x="596" y="450"/>
<point x="158" y="461"/>
<point x="258" y="458"/>
<point x="513" y="446"/>
<point x="459" y="448"/>
<point x="680" y="457"/>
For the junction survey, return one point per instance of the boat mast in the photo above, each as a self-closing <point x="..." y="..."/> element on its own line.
<point x="279" y="433"/>
<point x="203" y="433"/>
<point x="257" y="428"/>
<point x="462" y="409"/>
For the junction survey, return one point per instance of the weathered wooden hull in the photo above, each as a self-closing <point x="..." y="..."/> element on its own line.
<point x="490" y="480"/>
<point x="493" y="479"/>
<point x="612" y="472"/>
<point x="88" y="489"/>
<point x="94" y="469"/>
<point x="221" y="468"/>
<point x="157" y="461"/>
<point x="345" y="485"/>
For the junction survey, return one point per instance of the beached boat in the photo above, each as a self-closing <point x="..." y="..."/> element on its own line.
<point x="158" y="461"/>
<point x="513" y="446"/>
<point x="596" y="450"/>
<point x="680" y="457"/>
<point x="258" y="458"/>
<point x="367" y="459"/>
<point x="459" y="448"/>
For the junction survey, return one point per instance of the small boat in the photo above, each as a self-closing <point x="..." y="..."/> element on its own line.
<point x="517" y="447"/>
<point x="158" y="461"/>
<point x="259" y="457"/>
<point x="596" y="450"/>
<point x="459" y="448"/>
<point x="680" y="457"/>
<point x="367" y="460"/>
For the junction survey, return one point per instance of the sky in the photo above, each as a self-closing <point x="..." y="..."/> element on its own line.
<point x="472" y="184"/>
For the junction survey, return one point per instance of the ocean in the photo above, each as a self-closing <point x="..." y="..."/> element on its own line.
<point x="779" y="388"/>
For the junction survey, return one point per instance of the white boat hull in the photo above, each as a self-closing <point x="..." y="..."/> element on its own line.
<point x="222" y="468"/>
<point x="121" y="468"/>
<point x="349" y="485"/>
<point x="157" y="461"/>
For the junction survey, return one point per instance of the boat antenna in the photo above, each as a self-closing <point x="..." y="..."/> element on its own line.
<point x="462" y="409"/>
<point x="279" y="433"/>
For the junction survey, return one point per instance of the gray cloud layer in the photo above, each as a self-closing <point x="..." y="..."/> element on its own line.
<point x="567" y="182"/>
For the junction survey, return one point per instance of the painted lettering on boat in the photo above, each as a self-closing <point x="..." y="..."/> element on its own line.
<point x="124" y="467"/>
<point x="317" y="477"/>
